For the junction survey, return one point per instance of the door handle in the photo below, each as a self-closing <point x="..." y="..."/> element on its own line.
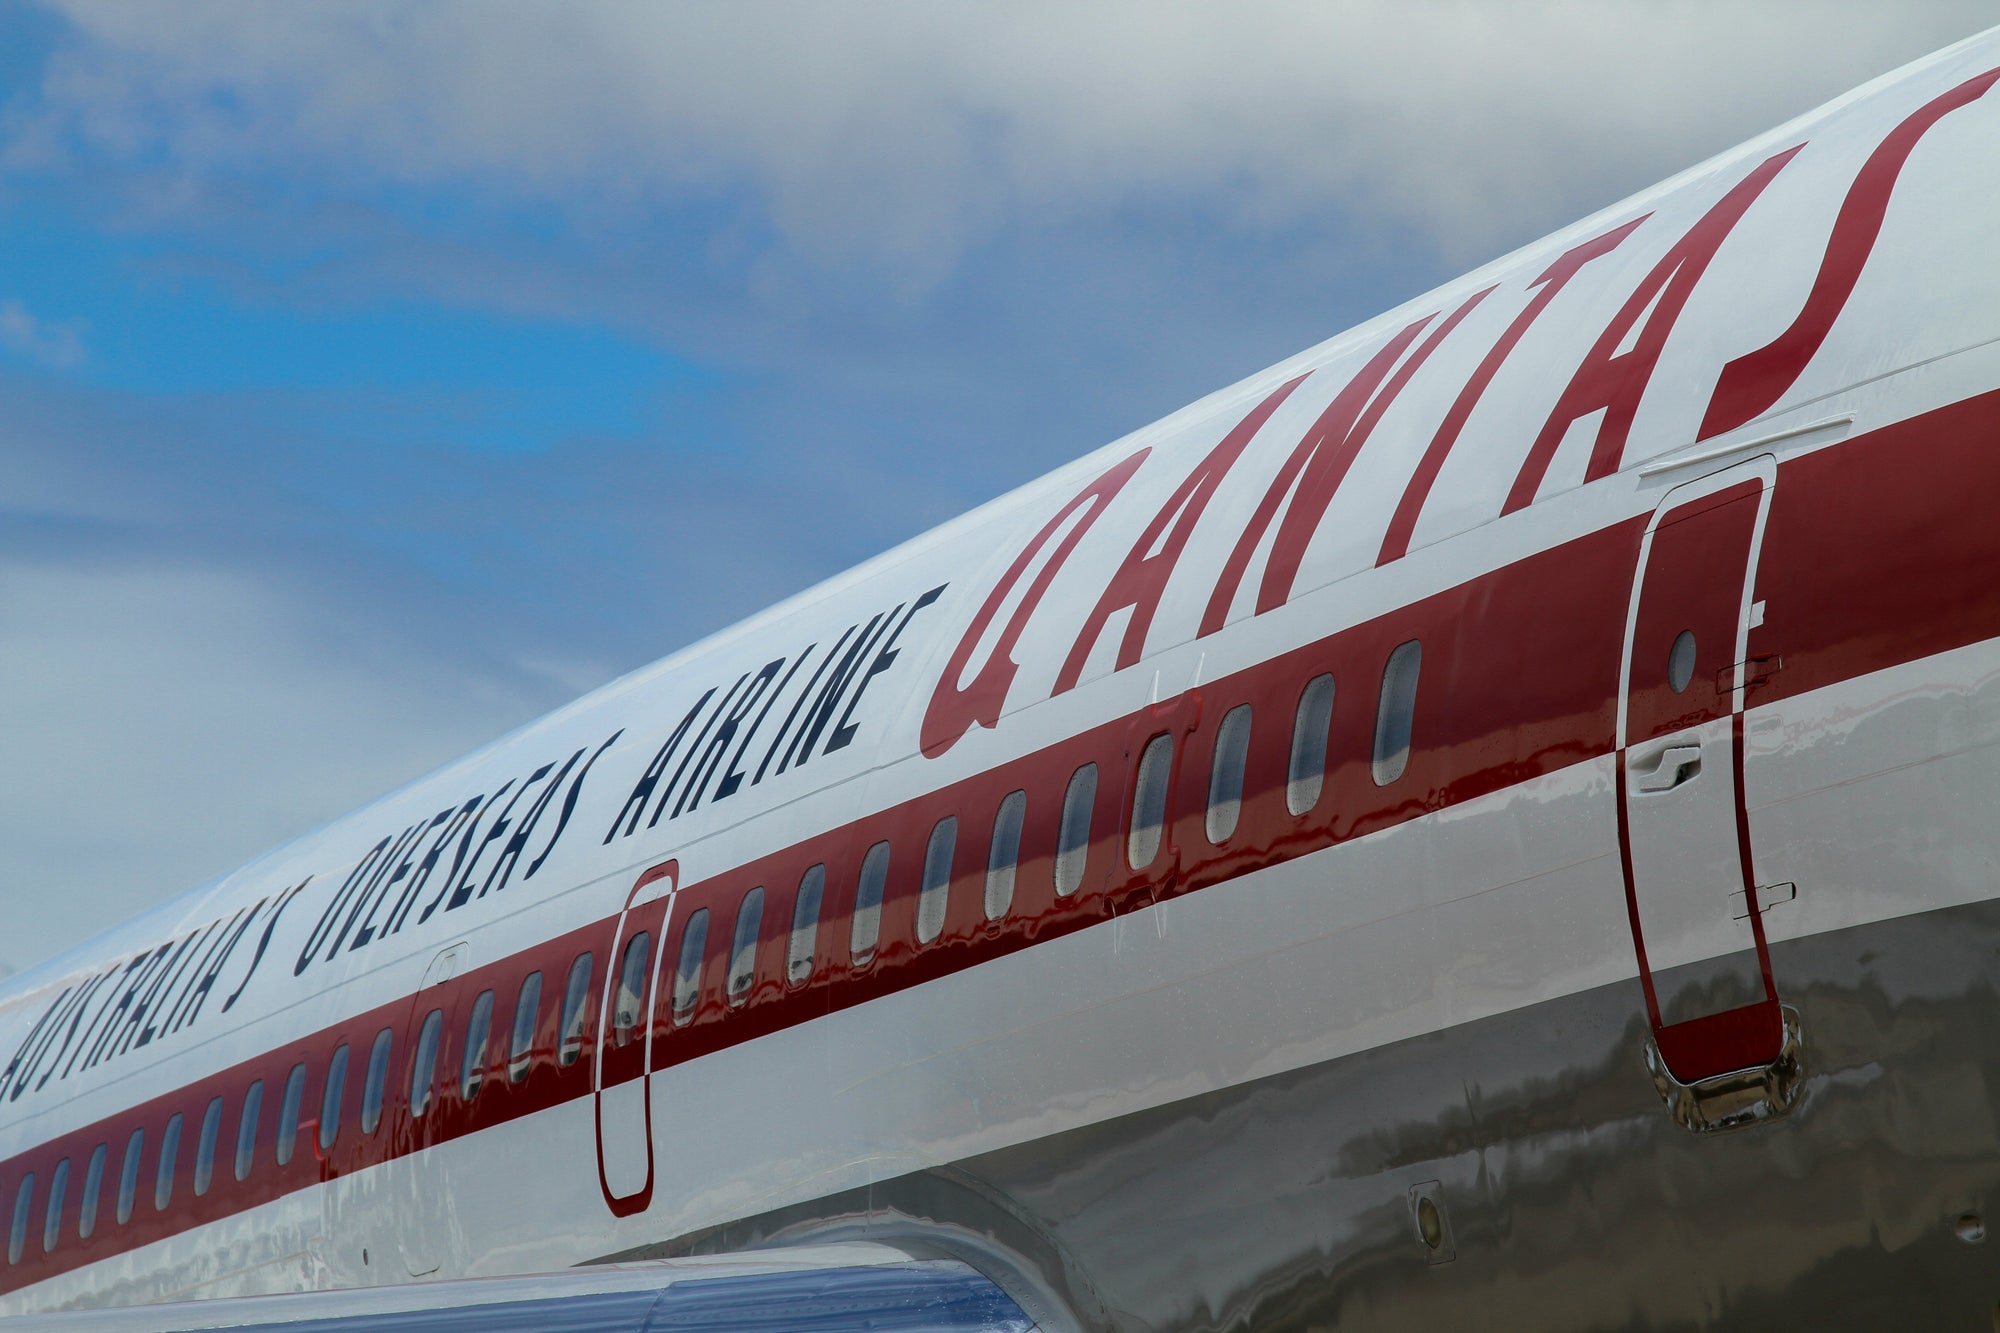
<point x="1676" y="764"/>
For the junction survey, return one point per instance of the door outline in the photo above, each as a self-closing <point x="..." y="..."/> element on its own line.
<point x="1749" y="1036"/>
<point x="419" y="1245"/>
<point x="647" y="891"/>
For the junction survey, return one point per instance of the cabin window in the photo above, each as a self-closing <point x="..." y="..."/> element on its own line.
<point x="478" y="1035"/>
<point x="687" y="972"/>
<point x="330" y="1097"/>
<point x="1310" y="726"/>
<point x="1073" y="835"/>
<point x="93" y="1186"/>
<point x="128" y="1175"/>
<point x="204" y="1152"/>
<point x="1225" y="774"/>
<point x="288" y="1112"/>
<point x="805" y="926"/>
<point x="932" y="899"/>
<point x="867" y="925"/>
<point x="423" y="1064"/>
<point x="576" y="999"/>
<point x="1149" y="802"/>
<point x="170" y="1151"/>
<point x="743" y="947"/>
<point x="1396" y="712"/>
<point x="52" y="1225"/>
<point x="24" y="1205"/>
<point x="376" y="1082"/>
<point x="246" y="1129"/>
<point x="527" y="1016"/>
<point x="1680" y="662"/>
<point x="628" y="998"/>
<point x="1003" y="854"/>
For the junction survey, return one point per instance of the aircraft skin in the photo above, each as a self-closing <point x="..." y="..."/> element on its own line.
<point x="1620" y="956"/>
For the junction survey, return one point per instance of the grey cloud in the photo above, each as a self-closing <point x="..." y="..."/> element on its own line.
<point x="1097" y="213"/>
<point x="220" y="629"/>
<point x="903" y="132"/>
<point x="168" y="723"/>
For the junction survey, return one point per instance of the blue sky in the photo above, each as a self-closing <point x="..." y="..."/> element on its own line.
<point x="374" y="378"/>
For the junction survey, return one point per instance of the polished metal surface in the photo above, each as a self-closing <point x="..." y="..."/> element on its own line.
<point x="1573" y="1196"/>
<point x="1740" y="1098"/>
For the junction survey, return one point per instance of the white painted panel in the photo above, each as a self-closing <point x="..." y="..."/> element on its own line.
<point x="621" y="1123"/>
<point x="1686" y="865"/>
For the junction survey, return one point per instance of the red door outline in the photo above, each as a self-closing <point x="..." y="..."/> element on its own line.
<point x="1750" y="1035"/>
<point x="615" y="1064"/>
<point x="417" y="1238"/>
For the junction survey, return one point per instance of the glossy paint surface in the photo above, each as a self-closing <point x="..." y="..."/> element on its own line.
<point x="1381" y="1054"/>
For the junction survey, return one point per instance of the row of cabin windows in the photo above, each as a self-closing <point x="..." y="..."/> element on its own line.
<point x="1305" y="778"/>
<point x="375" y="1084"/>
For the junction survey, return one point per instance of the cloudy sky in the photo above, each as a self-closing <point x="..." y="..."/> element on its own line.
<point x="376" y="377"/>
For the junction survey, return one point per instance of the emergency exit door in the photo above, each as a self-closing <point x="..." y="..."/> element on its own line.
<point x="1690" y="876"/>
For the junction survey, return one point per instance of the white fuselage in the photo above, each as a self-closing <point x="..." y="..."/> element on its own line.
<point x="1505" y="472"/>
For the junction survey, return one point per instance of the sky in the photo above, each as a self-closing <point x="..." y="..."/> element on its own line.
<point x="377" y="377"/>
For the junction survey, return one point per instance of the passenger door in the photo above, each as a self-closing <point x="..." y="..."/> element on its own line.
<point x="623" y="1059"/>
<point x="1689" y="870"/>
<point x="424" y="1078"/>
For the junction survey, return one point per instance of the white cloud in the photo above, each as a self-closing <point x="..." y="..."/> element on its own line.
<point x="118" y="676"/>
<point x="902" y="131"/>
<point x="57" y="346"/>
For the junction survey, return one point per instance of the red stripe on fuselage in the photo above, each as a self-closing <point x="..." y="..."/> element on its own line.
<point x="1877" y="551"/>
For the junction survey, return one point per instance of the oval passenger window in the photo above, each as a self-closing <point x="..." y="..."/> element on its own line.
<point x="246" y="1129"/>
<point x="330" y="1097"/>
<point x="204" y="1152"/>
<point x="527" y="1016"/>
<point x="1149" y="802"/>
<point x="1073" y="836"/>
<point x="288" y="1112"/>
<point x="423" y="1065"/>
<point x="1310" y="725"/>
<point x="52" y="1225"/>
<point x="1395" y="716"/>
<point x="805" y="926"/>
<point x="937" y="878"/>
<point x="478" y="1032"/>
<point x="128" y="1175"/>
<point x="867" y="927"/>
<point x="93" y="1185"/>
<point x="687" y="974"/>
<point x="373" y="1085"/>
<point x="1004" y="854"/>
<point x="743" y="946"/>
<point x="163" y="1177"/>
<point x="575" y="1010"/>
<point x="1225" y="773"/>
<point x="1680" y="661"/>
<point x="24" y="1202"/>
<point x="628" y="1000"/>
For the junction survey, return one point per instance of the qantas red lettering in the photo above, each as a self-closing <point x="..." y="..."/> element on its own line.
<point x="1142" y="578"/>
<point x="1318" y="465"/>
<point x="1752" y="384"/>
<point x="1609" y="381"/>
<point x="1613" y="382"/>
<point x="1554" y="278"/>
<point x="953" y="709"/>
